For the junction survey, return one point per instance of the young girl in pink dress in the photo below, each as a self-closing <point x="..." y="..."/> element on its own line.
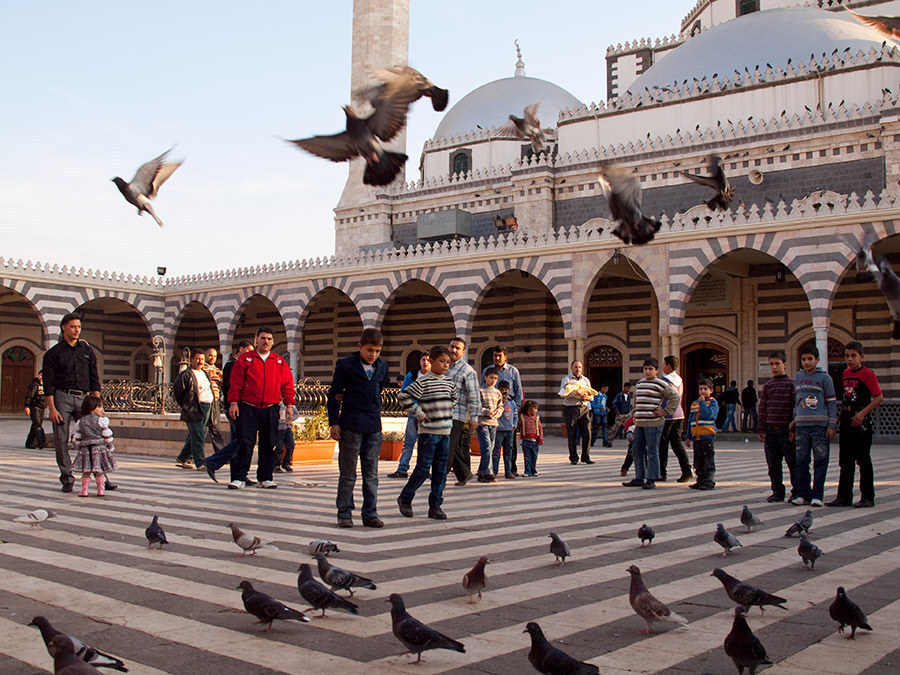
<point x="93" y="440"/>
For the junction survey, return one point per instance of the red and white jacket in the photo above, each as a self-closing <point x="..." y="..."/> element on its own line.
<point x="261" y="383"/>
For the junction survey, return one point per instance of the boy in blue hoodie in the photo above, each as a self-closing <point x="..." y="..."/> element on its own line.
<point x="815" y="416"/>
<point x="702" y="424"/>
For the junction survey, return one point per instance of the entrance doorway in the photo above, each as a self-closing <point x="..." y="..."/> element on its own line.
<point x="17" y="366"/>
<point x="604" y="366"/>
<point x="704" y="359"/>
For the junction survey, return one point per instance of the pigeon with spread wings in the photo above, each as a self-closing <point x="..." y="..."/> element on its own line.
<point x="889" y="26"/>
<point x="146" y="183"/>
<point x="623" y="192"/>
<point x="869" y="267"/>
<point x="526" y="128"/>
<point x="400" y="83"/>
<point x="718" y="182"/>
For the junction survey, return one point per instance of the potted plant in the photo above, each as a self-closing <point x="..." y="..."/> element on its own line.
<point x="391" y="445"/>
<point x="312" y="439"/>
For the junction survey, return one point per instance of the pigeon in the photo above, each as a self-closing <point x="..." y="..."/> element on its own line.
<point x="341" y="579"/>
<point x="474" y="580"/>
<point x="808" y="551"/>
<point x="36" y="517"/>
<point x="847" y="613"/>
<point x="725" y="539"/>
<point x="801" y="526"/>
<point x="718" y="182"/>
<point x="146" y="183"/>
<point x="646" y="606"/>
<point x="646" y="534"/>
<point x="548" y="659"/>
<point x="403" y="82"/>
<point x="415" y="635"/>
<point x="526" y="128"/>
<point x="879" y="269"/>
<point x="266" y="608"/>
<point x="318" y="596"/>
<point x="322" y="546"/>
<point x="65" y="661"/>
<point x="743" y="646"/>
<point x="888" y="26"/>
<point x="247" y="541"/>
<point x="82" y="651"/>
<point x="155" y="534"/>
<point x="745" y="594"/>
<point x="749" y="519"/>
<point x="623" y="192"/>
<point x="559" y="548"/>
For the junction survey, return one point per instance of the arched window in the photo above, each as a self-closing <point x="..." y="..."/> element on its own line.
<point x="141" y="367"/>
<point x="747" y="6"/>
<point x="460" y="163"/>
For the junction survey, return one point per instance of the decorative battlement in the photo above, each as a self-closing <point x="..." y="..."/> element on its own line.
<point x="71" y="275"/>
<point x="665" y="42"/>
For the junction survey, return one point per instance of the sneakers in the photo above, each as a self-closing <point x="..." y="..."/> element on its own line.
<point x="437" y="514"/>
<point x="864" y="504"/>
<point x="772" y="498"/>
<point x="236" y="484"/>
<point x="799" y="501"/>
<point x="816" y="502"/>
<point x="649" y="485"/>
<point x="405" y="509"/>
<point x="398" y="474"/>
<point x="633" y="483"/>
<point x="373" y="521"/>
<point x="685" y="478"/>
<point x="267" y="484"/>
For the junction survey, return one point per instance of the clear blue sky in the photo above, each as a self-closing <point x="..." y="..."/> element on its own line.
<point x="91" y="90"/>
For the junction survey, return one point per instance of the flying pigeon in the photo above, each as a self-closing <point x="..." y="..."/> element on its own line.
<point x="322" y="546"/>
<point x="646" y="534"/>
<point x="65" y="661"/>
<point x="801" y="526"/>
<point x="718" y="182"/>
<point x="155" y="534"/>
<point x="318" y="596"/>
<point x="623" y="192"/>
<point x="646" y="606"/>
<point x="559" y="548"/>
<point x="36" y="517"/>
<point x="340" y="579"/>
<point x="82" y="651"/>
<point x="247" y="542"/>
<point x="847" y="613"/>
<point x="475" y="580"/>
<point x="146" y="183"/>
<point x="743" y="646"/>
<point x="889" y="26"/>
<point x="552" y="661"/>
<point x="415" y="635"/>
<point x="868" y="268"/>
<point x="745" y="594"/>
<point x="749" y="519"/>
<point x="526" y="128"/>
<point x="266" y="608"/>
<point x="725" y="539"/>
<point x="403" y="83"/>
<point x="808" y="551"/>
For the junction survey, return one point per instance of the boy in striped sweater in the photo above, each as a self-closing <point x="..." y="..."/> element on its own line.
<point x="653" y="400"/>
<point x="774" y="415"/>
<point x="430" y="398"/>
<point x="702" y="424"/>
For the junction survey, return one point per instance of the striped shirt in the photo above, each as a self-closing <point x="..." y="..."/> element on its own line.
<point x="468" y="401"/>
<point x="648" y="396"/>
<point x="430" y="398"/>
<point x="491" y="406"/>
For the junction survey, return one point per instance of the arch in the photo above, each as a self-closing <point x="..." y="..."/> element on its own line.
<point x="255" y="311"/>
<point x="194" y="326"/>
<point x="108" y="325"/>
<point x="330" y="330"/>
<point x="408" y="280"/>
<point x="18" y="366"/>
<point x="12" y="315"/>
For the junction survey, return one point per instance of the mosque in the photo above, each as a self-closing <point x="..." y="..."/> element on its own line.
<point x="498" y="245"/>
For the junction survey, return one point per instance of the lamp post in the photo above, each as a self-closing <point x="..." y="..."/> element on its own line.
<point x="159" y="360"/>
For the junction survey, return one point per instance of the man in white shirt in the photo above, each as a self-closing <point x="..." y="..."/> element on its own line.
<point x="574" y="390"/>
<point x="674" y="426"/>
<point x="194" y="393"/>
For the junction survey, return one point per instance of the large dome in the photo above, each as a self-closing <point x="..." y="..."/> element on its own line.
<point x="770" y="36"/>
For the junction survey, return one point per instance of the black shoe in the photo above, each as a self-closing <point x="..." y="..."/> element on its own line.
<point x="685" y="478"/>
<point x="774" y="498"/>
<point x="373" y="521"/>
<point x="212" y="473"/>
<point x="278" y="469"/>
<point x="66" y="487"/>
<point x="405" y="509"/>
<point x="398" y="474"/>
<point x="573" y="461"/>
<point x="587" y="461"/>
<point x="288" y="468"/>
<point x="437" y="514"/>
<point x="510" y="476"/>
<point x="110" y="486"/>
<point x="465" y="480"/>
<point x="649" y="485"/>
<point x="633" y="483"/>
<point x="694" y="486"/>
<point x="249" y="481"/>
<point x="864" y="504"/>
<point x="345" y="522"/>
<point x="838" y="502"/>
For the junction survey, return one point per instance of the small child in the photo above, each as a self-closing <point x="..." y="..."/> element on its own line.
<point x="702" y="423"/>
<point x="600" y="416"/>
<point x="532" y="432"/>
<point x="93" y="440"/>
<point x="506" y="429"/>
<point x="491" y="410"/>
<point x="284" y="441"/>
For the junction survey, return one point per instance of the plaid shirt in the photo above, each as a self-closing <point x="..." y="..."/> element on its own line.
<point x="468" y="401"/>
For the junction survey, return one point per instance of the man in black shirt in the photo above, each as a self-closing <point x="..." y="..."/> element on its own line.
<point x="34" y="408"/>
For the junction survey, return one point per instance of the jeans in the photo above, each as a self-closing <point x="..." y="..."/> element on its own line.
<point x="600" y="423"/>
<point x="855" y="447"/>
<point x="221" y="457"/>
<point x="671" y="436"/>
<point x="729" y="417"/>
<point x="409" y="441"/>
<point x="705" y="462"/>
<point x="193" y="448"/>
<point x="36" y="436"/>
<point x="582" y="423"/>
<point x="811" y="440"/>
<point x="646" y="452"/>
<point x="253" y="422"/>
<point x="530" y="450"/>
<point x="487" y="436"/>
<point x="505" y="442"/>
<point x="433" y="453"/>
<point x="284" y="447"/>
<point x="779" y="448"/>
<point x="365" y="448"/>
<point x="748" y="419"/>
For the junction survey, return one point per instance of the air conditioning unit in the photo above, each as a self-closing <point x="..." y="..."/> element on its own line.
<point x="444" y="225"/>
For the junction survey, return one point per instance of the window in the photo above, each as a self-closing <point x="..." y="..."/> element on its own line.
<point x="141" y="367"/>
<point x="747" y="6"/>
<point x="460" y="163"/>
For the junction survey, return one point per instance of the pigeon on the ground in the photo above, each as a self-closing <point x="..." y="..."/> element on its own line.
<point x="36" y="517"/>
<point x="623" y="192"/>
<point x="84" y="652"/>
<point x="65" y="661"/>
<point x="646" y="606"/>
<point x="155" y="534"/>
<point x="526" y="128"/>
<point x="146" y="183"/>
<point x="552" y="661"/>
<point x="725" y="539"/>
<point x="718" y="182"/>
<point x="801" y="526"/>
<point x="879" y="269"/>
<point x="847" y="613"/>
<point x="559" y="548"/>
<point x="318" y="596"/>
<point x="743" y="646"/>
<point x="248" y="542"/>
<point x="322" y="546"/>
<point x="646" y="534"/>
<point x="808" y="551"/>
<point x="266" y="608"/>
<point x="888" y="26"/>
<point x="475" y="580"/>
<point x="415" y="635"/>
<point x="340" y="579"/>
<point x="749" y="519"/>
<point x="745" y="594"/>
<point x="402" y="83"/>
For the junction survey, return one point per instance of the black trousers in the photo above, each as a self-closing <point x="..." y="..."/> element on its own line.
<point x="261" y="423"/>
<point x="671" y="436"/>
<point x="705" y="462"/>
<point x="855" y="448"/>
<point x="779" y="448"/>
<point x="582" y="422"/>
<point x="460" y="462"/>
<point x="36" y="436"/>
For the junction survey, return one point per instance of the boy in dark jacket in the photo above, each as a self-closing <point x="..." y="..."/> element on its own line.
<point x="776" y="410"/>
<point x="354" y="413"/>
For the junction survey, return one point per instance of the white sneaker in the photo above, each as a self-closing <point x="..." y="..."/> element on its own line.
<point x="799" y="501"/>
<point x="816" y="502"/>
<point x="268" y="484"/>
<point x="236" y="485"/>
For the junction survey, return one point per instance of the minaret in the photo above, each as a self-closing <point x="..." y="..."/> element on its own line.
<point x="380" y="40"/>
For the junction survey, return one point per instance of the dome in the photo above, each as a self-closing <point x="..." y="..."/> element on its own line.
<point x="770" y="36"/>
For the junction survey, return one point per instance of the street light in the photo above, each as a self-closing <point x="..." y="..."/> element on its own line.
<point x="159" y="360"/>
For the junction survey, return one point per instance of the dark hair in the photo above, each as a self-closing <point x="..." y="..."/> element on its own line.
<point x="528" y="406"/>
<point x="459" y="339"/>
<point x="89" y="404"/>
<point x="371" y="336"/>
<point x="437" y="351"/>
<point x="809" y="349"/>
<point x="243" y="344"/>
<point x="71" y="316"/>
<point x="705" y="382"/>
<point x="265" y="329"/>
<point x="854" y="345"/>
<point x="197" y="350"/>
<point x="671" y="361"/>
<point x="503" y="384"/>
<point x="733" y="383"/>
<point x="499" y="349"/>
<point x="778" y="354"/>
<point x="493" y="370"/>
<point x="605" y="384"/>
<point x="626" y="384"/>
<point x="652" y="361"/>
<point x="749" y="383"/>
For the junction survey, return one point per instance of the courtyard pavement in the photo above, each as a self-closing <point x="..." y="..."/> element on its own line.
<point x="177" y="610"/>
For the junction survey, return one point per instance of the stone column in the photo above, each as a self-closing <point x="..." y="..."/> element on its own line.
<point x="570" y="343"/>
<point x="822" y="344"/>
<point x="579" y="350"/>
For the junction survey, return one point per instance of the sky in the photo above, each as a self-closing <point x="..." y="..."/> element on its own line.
<point x="91" y="90"/>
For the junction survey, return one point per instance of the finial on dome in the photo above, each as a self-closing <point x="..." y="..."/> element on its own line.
<point x="520" y="64"/>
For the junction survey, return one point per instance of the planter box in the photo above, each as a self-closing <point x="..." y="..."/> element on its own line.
<point x="391" y="450"/>
<point x="314" y="452"/>
<point x="474" y="446"/>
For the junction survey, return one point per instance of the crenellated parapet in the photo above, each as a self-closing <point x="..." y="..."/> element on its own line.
<point x="80" y="276"/>
<point x="665" y="42"/>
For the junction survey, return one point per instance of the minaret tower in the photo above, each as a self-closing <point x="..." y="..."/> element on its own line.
<point x="380" y="40"/>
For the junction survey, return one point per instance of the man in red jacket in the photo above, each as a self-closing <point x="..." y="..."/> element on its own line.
<point x="260" y="380"/>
